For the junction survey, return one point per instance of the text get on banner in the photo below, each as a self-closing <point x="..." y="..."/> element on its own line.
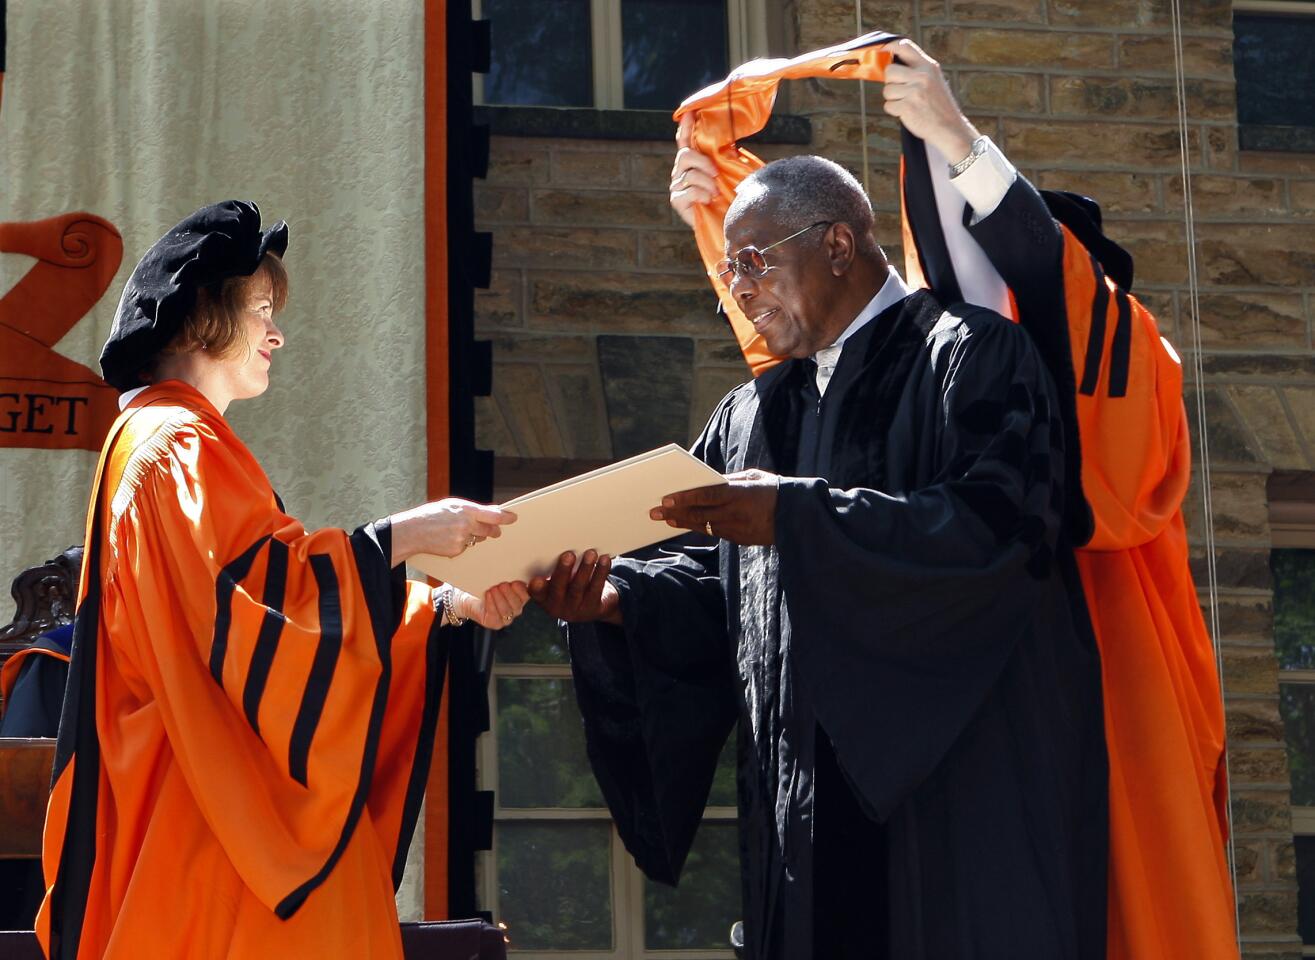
<point x="48" y="401"/>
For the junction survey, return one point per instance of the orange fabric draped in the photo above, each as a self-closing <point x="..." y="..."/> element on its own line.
<point x="739" y="107"/>
<point x="1170" y="890"/>
<point x="254" y="706"/>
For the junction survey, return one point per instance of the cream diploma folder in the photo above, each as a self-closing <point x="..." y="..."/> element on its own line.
<point x="604" y="510"/>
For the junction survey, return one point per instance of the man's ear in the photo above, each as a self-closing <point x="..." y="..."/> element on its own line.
<point x="841" y="245"/>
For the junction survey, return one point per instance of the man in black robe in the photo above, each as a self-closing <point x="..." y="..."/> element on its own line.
<point x="884" y="613"/>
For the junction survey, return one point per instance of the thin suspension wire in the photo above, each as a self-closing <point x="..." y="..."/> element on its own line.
<point x="862" y="102"/>
<point x="1198" y="367"/>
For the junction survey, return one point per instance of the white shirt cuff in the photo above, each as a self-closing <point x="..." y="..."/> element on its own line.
<point x="986" y="181"/>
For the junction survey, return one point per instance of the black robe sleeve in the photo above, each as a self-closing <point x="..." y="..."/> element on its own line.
<point x="1021" y="239"/>
<point x="1026" y="247"/>
<point x="906" y="605"/>
<point x="658" y="694"/>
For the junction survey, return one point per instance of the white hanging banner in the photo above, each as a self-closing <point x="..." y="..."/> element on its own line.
<point x="119" y="118"/>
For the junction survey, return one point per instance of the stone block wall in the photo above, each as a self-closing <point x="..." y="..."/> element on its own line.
<point x="605" y="340"/>
<point x="605" y="336"/>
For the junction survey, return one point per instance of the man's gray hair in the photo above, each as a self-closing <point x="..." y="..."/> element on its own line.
<point x="799" y="191"/>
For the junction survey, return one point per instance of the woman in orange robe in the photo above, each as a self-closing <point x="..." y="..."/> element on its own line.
<point x="252" y="706"/>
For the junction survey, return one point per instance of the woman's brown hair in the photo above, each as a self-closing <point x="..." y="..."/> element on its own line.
<point x="215" y="323"/>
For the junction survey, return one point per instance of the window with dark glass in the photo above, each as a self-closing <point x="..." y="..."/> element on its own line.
<point x="1294" y="642"/>
<point x="671" y="48"/>
<point x="1275" y="75"/>
<point x="542" y="53"/>
<point x="559" y="876"/>
<point x="636" y="54"/>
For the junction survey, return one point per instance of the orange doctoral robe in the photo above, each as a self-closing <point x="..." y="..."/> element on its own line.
<point x="250" y="717"/>
<point x="1170" y="892"/>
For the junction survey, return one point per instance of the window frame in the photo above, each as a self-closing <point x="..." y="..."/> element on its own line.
<point x="1291" y="497"/>
<point x="746" y="36"/>
<point x="1264" y="137"/>
<point x="1296" y="7"/>
<point x="626" y="881"/>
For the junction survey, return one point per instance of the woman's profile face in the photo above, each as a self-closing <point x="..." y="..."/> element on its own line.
<point x="248" y="367"/>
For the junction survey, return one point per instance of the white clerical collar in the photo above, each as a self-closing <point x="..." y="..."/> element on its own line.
<point x="892" y="292"/>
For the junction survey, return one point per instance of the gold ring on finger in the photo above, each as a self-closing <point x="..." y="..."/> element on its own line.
<point x="470" y="542"/>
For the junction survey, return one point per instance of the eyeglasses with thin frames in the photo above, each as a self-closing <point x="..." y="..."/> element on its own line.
<point x="749" y="261"/>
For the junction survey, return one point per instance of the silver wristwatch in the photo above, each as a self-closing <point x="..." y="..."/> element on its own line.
<point x="978" y="148"/>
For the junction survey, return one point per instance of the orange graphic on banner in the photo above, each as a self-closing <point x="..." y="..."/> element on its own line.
<point x="47" y="400"/>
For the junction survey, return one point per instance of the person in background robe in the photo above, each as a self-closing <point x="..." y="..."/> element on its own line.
<point x="32" y="685"/>
<point x="881" y="601"/>
<point x="32" y="689"/>
<point x="986" y="235"/>
<point x="251" y="710"/>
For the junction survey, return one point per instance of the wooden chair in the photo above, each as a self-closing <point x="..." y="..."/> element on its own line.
<point x="25" y="767"/>
<point x="45" y="598"/>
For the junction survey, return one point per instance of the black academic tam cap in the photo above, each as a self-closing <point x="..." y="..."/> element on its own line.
<point x="217" y="242"/>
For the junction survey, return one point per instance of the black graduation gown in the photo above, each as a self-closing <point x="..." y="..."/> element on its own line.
<point x="910" y="629"/>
